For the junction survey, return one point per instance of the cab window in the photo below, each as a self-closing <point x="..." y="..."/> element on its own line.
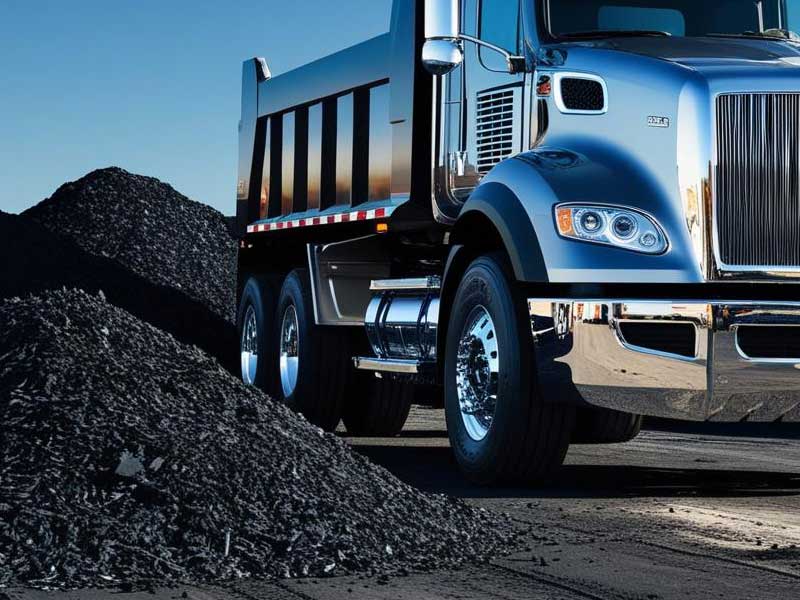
<point x="499" y="23"/>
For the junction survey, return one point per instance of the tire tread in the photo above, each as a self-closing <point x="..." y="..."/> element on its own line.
<point x="377" y="407"/>
<point x="321" y="388"/>
<point x="605" y="426"/>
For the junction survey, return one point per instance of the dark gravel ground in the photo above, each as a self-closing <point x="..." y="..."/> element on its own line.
<point x="145" y="225"/>
<point x="127" y="457"/>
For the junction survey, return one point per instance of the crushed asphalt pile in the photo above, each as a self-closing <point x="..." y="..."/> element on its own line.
<point x="128" y="457"/>
<point x="145" y="225"/>
<point x="162" y="257"/>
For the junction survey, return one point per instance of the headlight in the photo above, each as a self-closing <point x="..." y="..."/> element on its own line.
<point x="611" y="225"/>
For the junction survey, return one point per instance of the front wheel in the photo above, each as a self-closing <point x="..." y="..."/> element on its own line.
<point x="500" y="427"/>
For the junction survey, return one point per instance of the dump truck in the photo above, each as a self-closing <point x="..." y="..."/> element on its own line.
<point x="550" y="217"/>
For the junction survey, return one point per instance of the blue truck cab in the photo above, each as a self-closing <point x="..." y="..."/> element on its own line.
<point x="552" y="217"/>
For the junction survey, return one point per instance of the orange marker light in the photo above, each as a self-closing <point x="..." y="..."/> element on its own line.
<point x="382" y="227"/>
<point x="564" y="219"/>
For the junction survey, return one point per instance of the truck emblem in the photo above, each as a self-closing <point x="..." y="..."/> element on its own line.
<point x="653" y="121"/>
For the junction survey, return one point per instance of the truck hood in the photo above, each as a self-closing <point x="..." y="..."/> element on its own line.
<point x="710" y="55"/>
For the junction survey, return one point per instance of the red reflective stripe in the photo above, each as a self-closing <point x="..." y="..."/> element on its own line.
<point x="344" y="217"/>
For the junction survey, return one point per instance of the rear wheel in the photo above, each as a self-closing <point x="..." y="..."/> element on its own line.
<point x="500" y="427"/>
<point x="605" y="426"/>
<point x="255" y="321"/>
<point x="377" y="406"/>
<point x="312" y="361"/>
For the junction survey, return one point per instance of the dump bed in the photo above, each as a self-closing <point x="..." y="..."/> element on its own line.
<point x="346" y="138"/>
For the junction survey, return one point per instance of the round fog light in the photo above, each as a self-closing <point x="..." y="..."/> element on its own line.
<point x="624" y="227"/>
<point x="591" y="222"/>
<point x="648" y="240"/>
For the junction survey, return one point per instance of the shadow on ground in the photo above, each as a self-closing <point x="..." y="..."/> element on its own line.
<point x="433" y="469"/>
<point x="33" y="259"/>
<point x="781" y="431"/>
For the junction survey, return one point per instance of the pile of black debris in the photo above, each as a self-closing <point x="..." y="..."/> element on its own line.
<point x="168" y="260"/>
<point x="145" y="225"/>
<point x="128" y="457"/>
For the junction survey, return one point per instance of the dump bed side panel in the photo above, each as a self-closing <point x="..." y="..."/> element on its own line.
<point x="333" y="141"/>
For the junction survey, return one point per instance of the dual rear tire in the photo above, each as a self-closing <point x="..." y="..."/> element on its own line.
<point x="306" y="366"/>
<point x="605" y="426"/>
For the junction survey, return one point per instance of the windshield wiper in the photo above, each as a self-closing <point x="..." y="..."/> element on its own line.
<point x="782" y="35"/>
<point x="605" y="33"/>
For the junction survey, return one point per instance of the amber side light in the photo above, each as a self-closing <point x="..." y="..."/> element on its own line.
<point x="564" y="218"/>
<point x="382" y="227"/>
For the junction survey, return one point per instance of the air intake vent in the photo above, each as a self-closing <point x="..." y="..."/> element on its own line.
<point x="580" y="94"/>
<point x="679" y="339"/>
<point x="772" y="342"/>
<point x="495" y="127"/>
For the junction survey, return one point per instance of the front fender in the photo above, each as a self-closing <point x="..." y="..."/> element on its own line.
<point x="519" y="196"/>
<point x="495" y="202"/>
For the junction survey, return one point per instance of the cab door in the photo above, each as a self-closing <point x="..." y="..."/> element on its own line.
<point x="481" y="103"/>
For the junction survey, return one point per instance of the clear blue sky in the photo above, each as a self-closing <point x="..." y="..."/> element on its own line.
<point x="152" y="86"/>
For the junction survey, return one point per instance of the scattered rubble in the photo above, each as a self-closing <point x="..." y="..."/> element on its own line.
<point x="126" y="456"/>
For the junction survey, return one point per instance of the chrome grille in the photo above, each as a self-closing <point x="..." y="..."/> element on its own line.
<point x="495" y="127"/>
<point x="757" y="180"/>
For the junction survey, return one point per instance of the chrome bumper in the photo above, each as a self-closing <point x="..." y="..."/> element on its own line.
<point x="582" y="354"/>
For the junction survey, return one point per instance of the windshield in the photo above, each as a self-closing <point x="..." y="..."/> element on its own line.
<point x="597" y="18"/>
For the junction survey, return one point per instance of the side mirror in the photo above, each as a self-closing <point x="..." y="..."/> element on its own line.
<point x="439" y="57"/>
<point x="442" y="53"/>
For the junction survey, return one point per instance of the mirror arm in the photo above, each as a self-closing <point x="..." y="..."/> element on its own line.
<point x="516" y="64"/>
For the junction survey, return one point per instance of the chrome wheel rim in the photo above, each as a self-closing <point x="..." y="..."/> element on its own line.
<point x="289" y="358"/>
<point x="249" y="347"/>
<point x="477" y="373"/>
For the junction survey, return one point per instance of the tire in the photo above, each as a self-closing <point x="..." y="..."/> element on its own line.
<point x="377" y="406"/>
<point x="317" y="356"/>
<point x="258" y="303"/>
<point x="605" y="426"/>
<point x="527" y="438"/>
<point x="429" y="395"/>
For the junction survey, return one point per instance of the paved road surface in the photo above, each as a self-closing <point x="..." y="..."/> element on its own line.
<point x="690" y="513"/>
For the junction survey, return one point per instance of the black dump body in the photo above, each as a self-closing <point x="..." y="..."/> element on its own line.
<point x="342" y="140"/>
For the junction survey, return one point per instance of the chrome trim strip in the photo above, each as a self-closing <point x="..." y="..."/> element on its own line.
<point x="363" y="363"/>
<point x="409" y="284"/>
